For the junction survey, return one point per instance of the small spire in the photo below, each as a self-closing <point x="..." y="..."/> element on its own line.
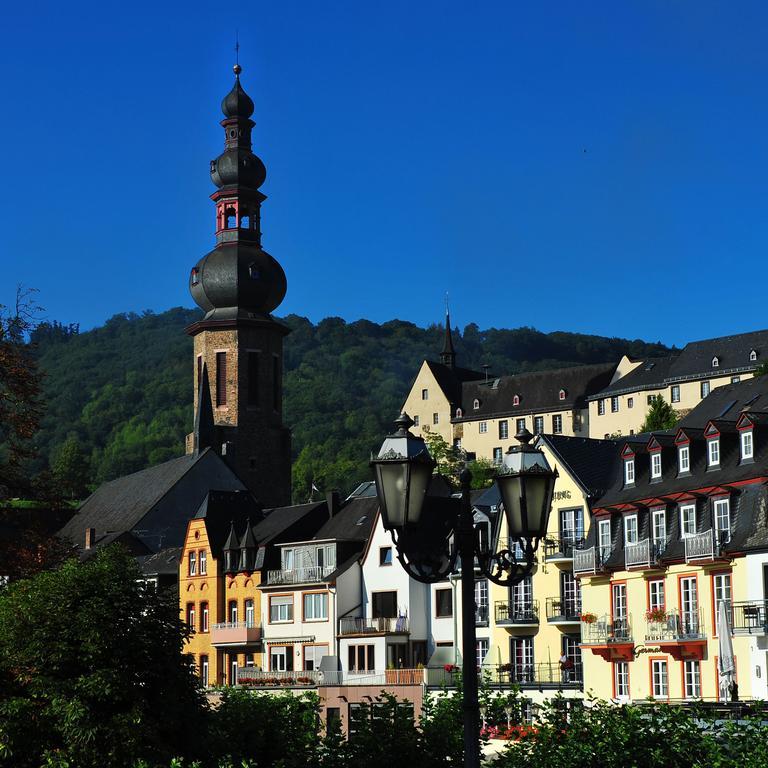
<point x="448" y="355"/>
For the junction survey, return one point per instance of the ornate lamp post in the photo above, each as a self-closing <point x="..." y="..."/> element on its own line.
<point x="433" y="538"/>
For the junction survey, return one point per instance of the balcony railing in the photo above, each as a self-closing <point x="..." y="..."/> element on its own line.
<point x="700" y="546"/>
<point x="563" y="609"/>
<point x="300" y="575"/>
<point x="562" y="548"/>
<point x="231" y="633"/>
<point x="509" y="612"/>
<point x="481" y="615"/>
<point x="256" y="678"/>
<point x="604" y="631"/>
<point x="676" y="626"/>
<point x="590" y="560"/>
<point x="551" y="675"/>
<point x="750" y="617"/>
<point x="378" y="626"/>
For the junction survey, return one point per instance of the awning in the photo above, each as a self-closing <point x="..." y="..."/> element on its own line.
<point x="289" y="640"/>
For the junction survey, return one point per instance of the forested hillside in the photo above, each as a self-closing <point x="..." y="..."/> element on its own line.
<point x="121" y="395"/>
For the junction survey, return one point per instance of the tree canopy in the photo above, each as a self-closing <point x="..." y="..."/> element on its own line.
<point x="660" y="416"/>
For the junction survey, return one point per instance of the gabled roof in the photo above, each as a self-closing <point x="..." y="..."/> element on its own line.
<point x="728" y="401"/>
<point x="450" y="379"/>
<point x="650" y="374"/>
<point x="593" y="464"/>
<point x="538" y="391"/>
<point x="353" y="522"/>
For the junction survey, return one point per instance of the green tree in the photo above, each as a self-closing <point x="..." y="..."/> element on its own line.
<point x="71" y="468"/>
<point x="660" y="416"/>
<point x="449" y="459"/>
<point x="92" y="672"/>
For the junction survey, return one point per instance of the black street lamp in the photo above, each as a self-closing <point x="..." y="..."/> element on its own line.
<point x="433" y="538"/>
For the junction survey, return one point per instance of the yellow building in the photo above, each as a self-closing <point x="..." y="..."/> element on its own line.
<point x="683" y="529"/>
<point x="683" y="380"/>
<point x="535" y="625"/>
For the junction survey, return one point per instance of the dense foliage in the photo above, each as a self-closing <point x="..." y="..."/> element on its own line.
<point x="92" y="672"/>
<point x="121" y="394"/>
<point x="661" y="415"/>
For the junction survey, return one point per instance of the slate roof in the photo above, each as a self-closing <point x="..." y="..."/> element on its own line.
<point x="162" y="563"/>
<point x="353" y="522"/>
<point x="594" y="464"/>
<point x="728" y="401"/>
<point x="695" y="362"/>
<point x="539" y="391"/>
<point x="153" y="504"/>
<point x="220" y="509"/>
<point x="450" y="380"/>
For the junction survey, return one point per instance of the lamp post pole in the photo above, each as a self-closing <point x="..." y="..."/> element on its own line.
<point x="465" y="539"/>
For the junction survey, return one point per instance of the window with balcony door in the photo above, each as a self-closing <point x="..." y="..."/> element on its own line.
<point x="281" y="658"/>
<point x="689" y="605"/>
<point x="721" y="593"/>
<point x="193" y="563"/>
<point x="656" y="598"/>
<point x="722" y="508"/>
<point x="280" y="608"/>
<point x="384" y="604"/>
<point x="604" y="539"/>
<point x="316" y="606"/>
<point x="659" y="679"/>
<point x="521" y="596"/>
<point x="203" y="617"/>
<point x="630" y="530"/>
<point x="570" y="594"/>
<point x="572" y="525"/>
<point x="312" y="656"/>
<point x="659" y="529"/>
<point x="232" y="611"/>
<point x="656" y="466"/>
<point x="482" y="644"/>
<point x="619" y="606"/>
<point x="687" y="520"/>
<point x="692" y="680"/>
<point x="746" y="441"/>
<point x="621" y="679"/>
<point x="713" y="452"/>
<point x="481" y="601"/>
<point x="250" y="614"/>
<point x="684" y="459"/>
<point x="287" y="559"/>
<point x="521" y="656"/>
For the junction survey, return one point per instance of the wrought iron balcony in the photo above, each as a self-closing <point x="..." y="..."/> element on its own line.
<point x="590" y="560"/>
<point x="362" y="625"/>
<point x="235" y="633"/>
<point x="561" y="549"/>
<point x="674" y="626"/>
<point x="517" y="613"/>
<point x="548" y="675"/>
<point x="604" y="631"/>
<point x="300" y="575"/>
<point x="700" y="546"/>
<point x="750" y="617"/>
<point x="563" y="610"/>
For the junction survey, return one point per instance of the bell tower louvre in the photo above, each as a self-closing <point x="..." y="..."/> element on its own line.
<point x="238" y="345"/>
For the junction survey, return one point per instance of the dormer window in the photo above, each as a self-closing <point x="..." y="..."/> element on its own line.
<point x="561" y="394"/>
<point x="752" y="355"/>
<point x="684" y="459"/>
<point x="476" y="404"/>
<point x="687" y="520"/>
<point x="747" y="444"/>
<point x="459" y="413"/>
<point x="723" y="520"/>
<point x="516" y="400"/>
<point x="630" y="530"/>
<point x="715" y="362"/>
<point x="713" y="452"/>
<point x="629" y="471"/>
<point x="656" y="466"/>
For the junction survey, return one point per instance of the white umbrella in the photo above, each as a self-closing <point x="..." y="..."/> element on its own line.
<point x="726" y="665"/>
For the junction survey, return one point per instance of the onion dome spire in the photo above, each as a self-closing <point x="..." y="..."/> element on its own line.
<point x="237" y="103"/>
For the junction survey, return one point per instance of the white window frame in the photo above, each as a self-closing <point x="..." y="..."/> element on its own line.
<point x="722" y="592"/>
<point x="659" y="679"/>
<point x="520" y="425"/>
<point x="281" y="612"/>
<point x="674" y="394"/>
<point x="752" y="356"/>
<point x="705" y="389"/>
<point x="475" y="404"/>
<point x="204" y="671"/>
<point x="713" y="452"/>
<point x="747" y="443"/>
<point x="538" y="425"/>
<point x="498" y="456"/>
<point x="503" y="429"/>
<point x="615" y="404"/>
<point x="722" y="514"/>
<point x="629" y="471"/>
<point x="204" y="614"/>
<point x="203" y="562"/>
<point x="659" y="514"/>
<point x="684" y="509"/>
<point x="604" y="541"/>
<point x="684" y="459"/>
<point x="192" y="564"/>
<point x="315" y="606"/>
<point x="482" y="427"/>
<point x="232" y="612"/>
<point x="656" y="594"/>
<point x="482" y="646"/>
<point x="631" y="530"/>
<point x="557" y="424"/>
<point x="691" y="679"/>
<point x="250" y="613"/>
<point x="601" y="407"/>
<point x="715" y="362"/>
<point x="656" y="465"/>
<point x="621" y="679"/>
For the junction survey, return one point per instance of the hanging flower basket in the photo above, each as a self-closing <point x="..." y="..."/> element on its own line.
<point x="588" y="618"/>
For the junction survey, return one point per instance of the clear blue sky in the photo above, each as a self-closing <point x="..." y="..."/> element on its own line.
<point x="595" y="167"/>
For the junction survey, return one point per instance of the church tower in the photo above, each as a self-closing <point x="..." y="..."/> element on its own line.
<point x="238" y="345"/>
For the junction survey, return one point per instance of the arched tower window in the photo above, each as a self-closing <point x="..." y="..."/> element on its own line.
<point x="245" y="220"/>
<point x="231" y="218"/>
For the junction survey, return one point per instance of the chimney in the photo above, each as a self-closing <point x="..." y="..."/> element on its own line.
<point x="90" y="537"/>
<point x="333" y="500"/>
